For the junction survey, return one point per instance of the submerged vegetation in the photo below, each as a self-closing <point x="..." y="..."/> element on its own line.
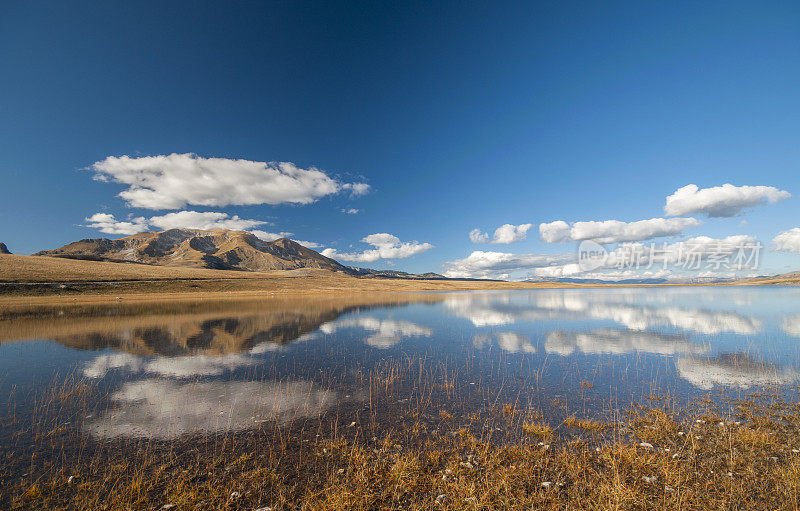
<point x="410" y="443"/>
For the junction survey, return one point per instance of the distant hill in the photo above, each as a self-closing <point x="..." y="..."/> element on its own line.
<point x="673" y="280"/>
<point x="218" y="249"/>
<point x="4" y="249"/>
<point x="394" y="274"/>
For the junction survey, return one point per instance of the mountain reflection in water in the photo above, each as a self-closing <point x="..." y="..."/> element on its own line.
<point x="174" y="368"/>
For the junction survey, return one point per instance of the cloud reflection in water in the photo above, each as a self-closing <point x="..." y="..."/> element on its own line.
<point x="165" y="409"/>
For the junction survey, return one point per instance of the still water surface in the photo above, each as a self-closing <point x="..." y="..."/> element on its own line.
<point x="166" y="371"/>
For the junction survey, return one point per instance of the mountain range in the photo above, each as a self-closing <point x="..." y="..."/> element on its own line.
<point x="219" y="249"/>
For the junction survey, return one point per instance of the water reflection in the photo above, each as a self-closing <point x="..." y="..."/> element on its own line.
<point x="175" y="367"/>
<point x="386" y="334"/>
<point x="510" y="342"/>
<point x="625" y="308"/>
<point x="733" y="370"/>
<point x="164" y="409"/>
<point x="791" y="325"/>
<point x="206" y="367"/>
<point x="619" y="342"/>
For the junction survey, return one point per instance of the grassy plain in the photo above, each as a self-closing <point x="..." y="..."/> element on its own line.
<point x="46" y="279"/>
<point x="37" y="276"/>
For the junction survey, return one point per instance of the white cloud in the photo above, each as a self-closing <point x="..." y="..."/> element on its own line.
<point x="563" y="270"/>
<point x="350" y="211"/>
<point x="110" y="225"/>
<point x="721" y="201"/>
<point x="614" y="231"/>
<point x="176" y="180"/>
<point x="272" y="236"/>
<point x="356" y="188"/>
<point x="505" y="234"/>
<point x="554" y="232"/>
<point x="499" y="265"/>
<point x="188" y="220"/>
<point x="387" y="246"/>
<point x="206" y="220"/>
<point x="739" y="252"/>
<point x="179" y="220"/>
<point x="788" y="241"/>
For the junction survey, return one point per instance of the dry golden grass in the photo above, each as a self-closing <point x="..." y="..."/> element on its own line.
<point x="24" y="278"/>
<point x="427" y="453"/>
<point x="22" y="268"/>
<point x="587" y="425"/>
<point x="53" y="279"/>
<point x="658" y="458"/>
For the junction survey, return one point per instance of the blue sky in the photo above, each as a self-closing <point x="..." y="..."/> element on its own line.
<point x="458" y="116"/>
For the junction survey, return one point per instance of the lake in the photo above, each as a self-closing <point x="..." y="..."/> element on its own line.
<point x="166" y="370"/>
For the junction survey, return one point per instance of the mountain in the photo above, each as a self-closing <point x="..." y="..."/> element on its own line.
<point x="4" y="249"/>
<point x="217" y="249"/>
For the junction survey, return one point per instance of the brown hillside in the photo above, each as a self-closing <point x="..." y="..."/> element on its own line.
<point x="218" y="249"/>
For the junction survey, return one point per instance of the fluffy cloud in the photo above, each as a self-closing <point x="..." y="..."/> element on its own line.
<point x="207" y="220"/>
<point x="614" y="231"/>
<point x="187" y="220"/>
<point x="179" y="220"/>
<point x="721" y="201"/>
<point x="788" y="241"/>
<point x="387" y="246"/>
<point x="499" y="265"/>
<point x="176" y="180"/>
<point x="350" y="211"/>
<point x="272" y="236"/>
<point x="737" y="252"/>
<point x="356" y="188"/>
<point x="110" y="225"/>
<point x="505" y="234"/>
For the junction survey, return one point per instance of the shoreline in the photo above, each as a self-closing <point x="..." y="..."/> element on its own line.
<point x="49" y="280"/>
